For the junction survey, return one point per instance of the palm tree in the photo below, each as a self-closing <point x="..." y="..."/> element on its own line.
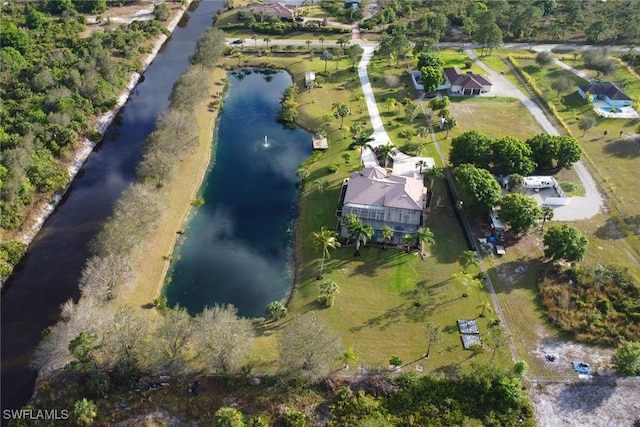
<point x="308" y="43"/>
<point x="468" y="258"/>
<point x="485" y="306"/>
<point x="547" y="215"/>
<point x="266" y="40"/>
<point x="341" y="109"/>
<point x="390" y="103"/>
<point x="326" y="239"/>
<point x="407" y="241"/>
<point x="450" y="123"/>
<point x="422" y="132"/>
<point x="343" y="41"/>
<point x="425" y="236"/>
<point x="355" y="129"/>
<point x="467" y="280"/>
<point x="358" y="231"/>
<point x="387" y="234"/>
<point x="328" y="291"/>
<point x="361" y="140"/>
<point x="255" y="40"/>
<point x="326" y="56"/>
<point x="322" y="39"/>
<point x="384" y="151"/>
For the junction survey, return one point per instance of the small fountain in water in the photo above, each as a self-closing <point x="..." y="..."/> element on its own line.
<point x="266" y="143"/>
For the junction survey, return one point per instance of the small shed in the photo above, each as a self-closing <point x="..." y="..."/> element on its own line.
<point x="309" y="79"/>
<point x="320" y="142"/>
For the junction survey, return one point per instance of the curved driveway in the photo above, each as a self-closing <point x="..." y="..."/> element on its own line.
<point x="578" y="207"/>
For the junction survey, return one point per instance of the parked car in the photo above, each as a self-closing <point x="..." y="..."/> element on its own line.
<point x="299" y="19"/>
<point x="237" y="41"/>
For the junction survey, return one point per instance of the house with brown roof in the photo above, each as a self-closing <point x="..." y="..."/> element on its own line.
<point x="467" y="84"/>
<point x="608" y="92"/>
<point x="379" y="199"/>
<point x="278" y="9"/>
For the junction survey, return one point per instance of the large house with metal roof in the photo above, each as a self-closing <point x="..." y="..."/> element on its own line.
<point x="379" y="199"/>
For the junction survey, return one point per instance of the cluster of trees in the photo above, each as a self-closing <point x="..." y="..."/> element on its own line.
<point x="54" y="81"/>
<point x="509" y="155"/>
<point x="289" y="106"/>
<point x="598" y="303"/>
<point x="10" y="254"/>
<point x="336" y="9"/>
<point x="94" y="338"/>
<point x="488" y="394"/>
<point x="489" y="22"/>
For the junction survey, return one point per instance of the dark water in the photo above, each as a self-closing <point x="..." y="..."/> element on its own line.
<point x="49" y="274"/>
<point x="238" y="247"/>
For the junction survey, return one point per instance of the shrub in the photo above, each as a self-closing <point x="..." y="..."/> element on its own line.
<point x="332" y="168"/>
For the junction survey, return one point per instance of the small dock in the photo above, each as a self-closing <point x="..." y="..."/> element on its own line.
<point x="320" y="142"/>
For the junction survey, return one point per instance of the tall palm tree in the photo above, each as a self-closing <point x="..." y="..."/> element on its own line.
<point x="326" y="56"/>
<point x="341" y="109"/>
<point x="255" y="40"/>
<point x="308" y="43"/>
<point x="425" y="236"/>
<point x="267" y="40"/>
<point x="322" y="39"/>
<point x="468" y="258"/>
<point x="358" y="231"/>
<point x="422" y="132"/>
<point x="361" y="140"/>
<point x="326" y="239"/>
<point x="387" y="235"/>
<point x="384" y="151"/>
<point x="547" y="215"/>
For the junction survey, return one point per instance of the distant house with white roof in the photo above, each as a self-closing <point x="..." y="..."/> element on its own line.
<point x="379" y="200"/>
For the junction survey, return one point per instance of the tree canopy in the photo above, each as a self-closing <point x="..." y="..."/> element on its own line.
<point x="309" y="347"/>
<point x="482" y="192"/>
<point x="473" y="148"/>
<point x="626" y="359"/>
<point x="520" y="212"/>
<point x="510" y="155"/>
<point x="565" y="242"/>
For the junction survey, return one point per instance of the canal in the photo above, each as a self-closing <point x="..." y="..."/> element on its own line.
<point x="48" y="275"/>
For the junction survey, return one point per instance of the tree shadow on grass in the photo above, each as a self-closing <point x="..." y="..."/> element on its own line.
<point x="382" y="322"/>
<point x="614" y="228"/>
<point x="623" y="148"/>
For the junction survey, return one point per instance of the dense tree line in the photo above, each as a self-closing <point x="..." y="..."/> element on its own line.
<point x="509" y="155"/>
<point x="489" y="22"/>
<point x="54" y="81"/>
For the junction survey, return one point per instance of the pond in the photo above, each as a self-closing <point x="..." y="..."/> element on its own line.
<point x="238" y="247"/>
